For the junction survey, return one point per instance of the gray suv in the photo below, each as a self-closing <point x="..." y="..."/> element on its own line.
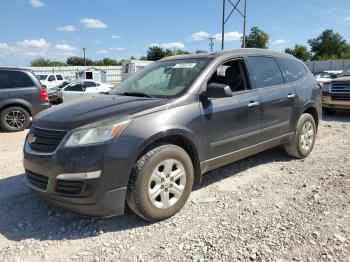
<point x="150" y="139"/>
<point x="21" y="97"/>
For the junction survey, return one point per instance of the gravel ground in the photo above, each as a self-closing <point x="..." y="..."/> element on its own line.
<point x="268" y="207"/>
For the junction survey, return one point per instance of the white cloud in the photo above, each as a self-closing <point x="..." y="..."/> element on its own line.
<point x="116" y="36"/>
<point x="347" y="19"/>
<point x="65" y="48"/>
<point x="67" y="28"/>
<point x="173" y="45"/>
<point x="154" y="44"/>
<point x="36" y="3"/>
<point x="229" y="36"/>
<point x="199" y="36"/>
<point x="120" y="49"/>
<point x="280" y="42"/>
<point x="102" y="52"/>
<point x="35" y="48"/>
<point x="34" y="43"/>
<point x="93" y="23"/>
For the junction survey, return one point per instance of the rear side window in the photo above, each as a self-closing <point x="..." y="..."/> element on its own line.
<point x="266" y="72"/>
<point x="51" y="78"/>
<point x="293" y="69"/>
<point x="11" y="79"/>
<point x="89" y="84"/>
<point x="75" y="87"/>
<point x="59" y="77"/>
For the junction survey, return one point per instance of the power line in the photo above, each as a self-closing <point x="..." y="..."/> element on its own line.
<point x="304" y="14"/>
<point x="324" y="7"/>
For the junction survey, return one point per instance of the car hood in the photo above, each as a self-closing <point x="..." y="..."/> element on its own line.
<point x="75" y="114"/>
<point x="342" y="79"/>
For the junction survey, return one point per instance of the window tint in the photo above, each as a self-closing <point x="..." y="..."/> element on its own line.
<point x="293" y="70"/>
<point x="51" y="78"/>
<point x="266" y="71"/>
<point x="89" y="84"/>
<point x="10" y="79"/>
<point x="75" y="87"/>
<point x="59" y="77"/>
<point x="232" y="74"/>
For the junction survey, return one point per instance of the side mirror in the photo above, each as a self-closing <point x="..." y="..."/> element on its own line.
<point x="216" y="90"/>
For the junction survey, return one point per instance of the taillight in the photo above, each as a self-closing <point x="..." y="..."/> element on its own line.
<point x="43" y="94"/>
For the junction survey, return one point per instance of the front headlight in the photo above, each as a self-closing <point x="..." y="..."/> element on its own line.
<point x="97" y="133"/>
<point x="325" y="87"/>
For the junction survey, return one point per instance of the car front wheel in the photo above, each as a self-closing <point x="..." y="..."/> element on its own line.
<point x="160" y="183"/>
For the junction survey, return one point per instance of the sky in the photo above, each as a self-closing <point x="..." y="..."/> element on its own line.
<point x="57" y="29"/>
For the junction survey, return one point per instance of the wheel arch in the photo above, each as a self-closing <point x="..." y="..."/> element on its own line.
<point x="179" y="139"/>
<point x="314" y="113"/>
<point x="17" y="103"/>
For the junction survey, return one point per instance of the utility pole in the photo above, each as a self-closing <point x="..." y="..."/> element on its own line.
<point x="244" y="22"/>
<point x="211" y="43"/>
<point x="84" y="50"/>
<point x="223" y="25"/>
<point x="225" y="19"/>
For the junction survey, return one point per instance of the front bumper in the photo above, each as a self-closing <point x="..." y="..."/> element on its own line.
<point x="104" y="196"/>
<point x="338" y="102"/>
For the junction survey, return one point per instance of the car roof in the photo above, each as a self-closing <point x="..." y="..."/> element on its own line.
<point x="233" y="52"/>
<point x="15" y="69"/>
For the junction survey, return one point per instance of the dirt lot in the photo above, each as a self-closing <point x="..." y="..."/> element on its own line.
<point x="268" y="207"/>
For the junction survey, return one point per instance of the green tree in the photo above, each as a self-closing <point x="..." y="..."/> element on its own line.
<point x="299" y="51"/>
<point x="155" y="53"/>
<point x="182" y="52"/>
<point x="106" y="62"/>
<point x="78" y="61"/>
<point x="200" y="52"/>
<point x="329" y="45"/>
<point x="257" y="38"/>
<point x="46" y="62"/>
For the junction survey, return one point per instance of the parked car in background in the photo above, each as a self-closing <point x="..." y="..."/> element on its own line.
<point x="146" y="142"/>
<point x="50" y="80"/>
<point x="54" y="93"/>
<point x="326" y="76"/>
<point x="336" y="93"/>
<point x="21" y="97"/>
<point x="82" y="88"/>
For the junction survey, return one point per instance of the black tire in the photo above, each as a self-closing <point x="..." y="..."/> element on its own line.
<point x="137" y="196"/>
<point x="23" y="119"/>
<point x="295" y="147"/>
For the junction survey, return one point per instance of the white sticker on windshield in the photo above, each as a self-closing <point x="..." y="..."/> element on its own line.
<point x="185" y="65"/>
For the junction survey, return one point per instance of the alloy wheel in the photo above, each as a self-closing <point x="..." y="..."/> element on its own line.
<point x="167" y="183"/>
<point x="15" y="119"/>
<point x="307" y="136"/>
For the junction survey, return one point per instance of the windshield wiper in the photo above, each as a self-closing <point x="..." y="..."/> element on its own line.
<point x="136" y="94"/>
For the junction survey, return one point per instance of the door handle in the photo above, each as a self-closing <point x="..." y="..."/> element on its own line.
<point x="253" y="104"/>
<point x="289" y="96"/>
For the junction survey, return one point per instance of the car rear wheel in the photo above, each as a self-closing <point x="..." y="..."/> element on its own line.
<point x="14" y="119"/>
<point x="160" y="183"/>
<point x="304" y="137"/>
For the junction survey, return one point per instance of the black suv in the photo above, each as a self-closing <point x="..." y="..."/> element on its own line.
<point x="147" y="141"/>
<point x="21" y="97"/>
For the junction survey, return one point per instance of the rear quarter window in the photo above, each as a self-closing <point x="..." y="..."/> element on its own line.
<point x="12" y="79"/>
<point x="265" y="70"/>
<point x="59" y="77"/>
<point x="293" y="70"/>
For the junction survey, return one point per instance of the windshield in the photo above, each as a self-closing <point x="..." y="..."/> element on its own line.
<point x="346" y="72"/>
<point x="41" y="77"/>
<point x="60" y="86"/>
<point x="165" y="79"/>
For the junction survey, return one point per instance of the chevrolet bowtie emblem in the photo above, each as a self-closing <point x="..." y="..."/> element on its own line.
<point x="31" y="139"/>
